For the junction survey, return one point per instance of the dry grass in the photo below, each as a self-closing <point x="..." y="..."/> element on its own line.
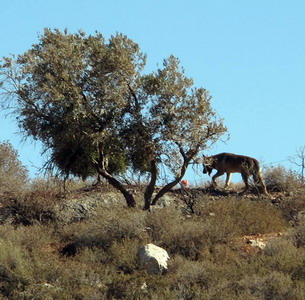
<point x="96" y="258"/>
<point x="279" y="179"/>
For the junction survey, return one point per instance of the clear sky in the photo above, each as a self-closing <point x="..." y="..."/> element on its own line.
<point x="250" y="55"/>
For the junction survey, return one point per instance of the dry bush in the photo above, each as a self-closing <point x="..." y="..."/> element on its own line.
<point x="107" y="227"/>
<point x="279" y="179"/>
<point x="36" y="205"/>
<point x="26" y="259"/>
<point x="218" y="222"/>
<point x="293" y="207"/>
<point x="204" y="263"/>
<point x="13" y="174"/>
<point x="32" y="268"/>
<point x="282" y="255"/>
<point x="274" y="285"/>
<point x="56" y="185"/>
<point x="235" y="217"/>
<point x="206" y="259"/>
<point x="297" y="235"/>
<point x="167" y="228"/>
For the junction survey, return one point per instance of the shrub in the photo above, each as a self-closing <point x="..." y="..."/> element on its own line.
<point x="230" y="217"/>
<point x="275" y="285"/>
<point x="205" y="248"/>
<point x="107" y="227"/>
<point x="281" y="255"/>
<point x="293" y="207"/>
<point x="25" y="259"/>
<point x="279" y="179"/>
<point x="167" y="228"/>
<point x="218" y="223"/>
<point x="12" y="173"/>
<point x="297" y="235"/>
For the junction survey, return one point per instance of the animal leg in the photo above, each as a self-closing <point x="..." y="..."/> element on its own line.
<point x="259" y="180"/>
<point x="228" y="180"/>
<point x="245" y="178"/>
<point x="219" y="173"/>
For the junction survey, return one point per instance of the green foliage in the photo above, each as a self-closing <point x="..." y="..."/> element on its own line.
<point x="90" y="104"/>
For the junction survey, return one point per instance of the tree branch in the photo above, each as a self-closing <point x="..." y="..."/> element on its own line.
<point x="101" y="169"/>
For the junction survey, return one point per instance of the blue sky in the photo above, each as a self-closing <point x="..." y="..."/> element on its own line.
<point x="250" y="55"/>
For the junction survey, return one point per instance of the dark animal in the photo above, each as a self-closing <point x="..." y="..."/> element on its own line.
<point x="232" y="163"/>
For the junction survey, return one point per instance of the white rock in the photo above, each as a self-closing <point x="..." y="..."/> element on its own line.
<point x="256" y="243"/>
<point x="153" y="259"/>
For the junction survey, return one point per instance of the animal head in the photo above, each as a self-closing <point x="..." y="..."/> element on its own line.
<point x="207" y="165"/>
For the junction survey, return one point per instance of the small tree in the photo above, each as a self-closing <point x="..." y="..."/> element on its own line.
<point x="92" y="107"/>
<point x="12" y="173"/>
<point x="299" y="161"/>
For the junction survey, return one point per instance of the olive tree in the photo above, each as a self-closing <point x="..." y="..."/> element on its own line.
<point x="89" y="102"/>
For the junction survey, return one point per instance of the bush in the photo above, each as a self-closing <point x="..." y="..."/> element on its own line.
<point x="218" y="222"/>
<point x="25" y="259"/>
<point x="293" y="207"/>
<point x="297" y="234"/>
<point x="282" y="255"/>
<point x="13" y="174"/>
<point x="230" y="217"/>
<point x="168" y="229"/>
<point x="109" y="226"/>
<point x="278" y="179"/>
<point x="96" y="258"/>
<point x="275" y="285"/>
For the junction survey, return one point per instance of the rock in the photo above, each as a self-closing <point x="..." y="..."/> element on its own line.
<point x="153" y="259"/>
<point x="85" y="206"/>
<point x="257" y="243"/>
<point x="164" y="201"/>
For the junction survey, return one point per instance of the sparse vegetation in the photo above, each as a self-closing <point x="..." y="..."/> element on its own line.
<point x="279" y="179"/>
<point x="91" y="106"/>
<point x="96" y="258"/>
<point x="13" y="174"/>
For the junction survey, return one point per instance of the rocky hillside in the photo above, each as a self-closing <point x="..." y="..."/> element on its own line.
<point x="84" y="244"/>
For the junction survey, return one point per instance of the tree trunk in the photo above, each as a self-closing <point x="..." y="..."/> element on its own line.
<point x="118" y="185"/>
<point x="166" y="189"/>
<point x="169" y="186"/>
<point x="151" y="186"/>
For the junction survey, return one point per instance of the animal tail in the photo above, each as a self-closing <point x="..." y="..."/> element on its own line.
<point x="257" y="171"/>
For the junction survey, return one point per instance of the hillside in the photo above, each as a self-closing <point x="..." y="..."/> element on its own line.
<point x="82" y="244"/>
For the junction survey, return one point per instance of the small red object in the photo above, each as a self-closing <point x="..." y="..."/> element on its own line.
<point x="184" y="182"/>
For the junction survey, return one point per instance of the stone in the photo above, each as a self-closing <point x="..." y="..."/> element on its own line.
<point x="257" y="243"/>
<point x="153" y="259"/>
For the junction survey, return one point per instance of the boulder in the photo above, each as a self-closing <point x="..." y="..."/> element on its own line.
<point x="257" y="243"/>
<point x="153" y="259"/>
<point x="85" y="206"/>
